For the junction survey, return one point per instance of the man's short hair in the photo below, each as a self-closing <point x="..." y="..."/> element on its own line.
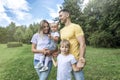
<point x="64" y="10"/>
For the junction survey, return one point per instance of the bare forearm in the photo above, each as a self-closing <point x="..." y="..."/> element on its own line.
<point x="37" y="51"/>
<point x="34" y="50"/>
<point x="54" y="62"/>
<point x="82" y="50"/>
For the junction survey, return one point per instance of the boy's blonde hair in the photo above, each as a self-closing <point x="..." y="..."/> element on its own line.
<point x="54" y="24"/>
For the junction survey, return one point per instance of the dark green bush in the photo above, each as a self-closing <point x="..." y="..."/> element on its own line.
<point x="101" y="39"/>
<point x="14" y="44"/>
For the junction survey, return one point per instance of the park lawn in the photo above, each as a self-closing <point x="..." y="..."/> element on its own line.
<point x="17" y="64"/>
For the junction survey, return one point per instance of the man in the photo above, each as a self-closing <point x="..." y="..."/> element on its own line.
<point x="74" y="33"/>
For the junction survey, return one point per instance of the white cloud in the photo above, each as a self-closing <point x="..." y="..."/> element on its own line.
<point x="52" y="12"/>
<point x="4" y="17"/>
<point x="17" y="8"/>
<point x="1" y="7"/>
<point x="17" y="4"/>
<point x="21" y="15"/>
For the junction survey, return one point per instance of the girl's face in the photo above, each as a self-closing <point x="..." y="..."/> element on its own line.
<point x="46" y="28"/>
<point x="64" y="49"/>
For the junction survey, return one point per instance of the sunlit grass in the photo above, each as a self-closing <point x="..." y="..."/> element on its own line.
<point x="17" y="64"/>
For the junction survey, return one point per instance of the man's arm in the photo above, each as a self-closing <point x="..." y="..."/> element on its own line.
<point x="81" y="41"/>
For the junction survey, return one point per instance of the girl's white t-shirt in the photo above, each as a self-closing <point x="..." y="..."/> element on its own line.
<point x="65" y="66"/>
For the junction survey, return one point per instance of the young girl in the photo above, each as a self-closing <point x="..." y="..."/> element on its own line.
<point x="65" y="62"/>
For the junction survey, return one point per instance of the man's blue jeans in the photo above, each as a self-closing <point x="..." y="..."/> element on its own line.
<point x="79" y="75"/>
<point x="43" y="75"/>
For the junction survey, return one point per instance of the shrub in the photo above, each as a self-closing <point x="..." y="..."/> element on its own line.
<point x="101" y="39"/>
<point x="14" y="44"/>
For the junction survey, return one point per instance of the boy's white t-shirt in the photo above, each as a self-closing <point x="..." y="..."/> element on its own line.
<point x="65" y="66"/>
<point x="54" y="34"/>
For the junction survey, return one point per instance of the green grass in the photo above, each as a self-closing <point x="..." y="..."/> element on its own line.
<point x="17" y="64"/>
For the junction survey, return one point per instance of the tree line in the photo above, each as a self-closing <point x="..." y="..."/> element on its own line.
<point x="100" y="20"/>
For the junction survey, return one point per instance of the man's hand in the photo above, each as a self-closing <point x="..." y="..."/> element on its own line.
<point x="81" y="63"/>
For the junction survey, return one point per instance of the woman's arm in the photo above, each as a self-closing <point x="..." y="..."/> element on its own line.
<point x="34" y="50"/>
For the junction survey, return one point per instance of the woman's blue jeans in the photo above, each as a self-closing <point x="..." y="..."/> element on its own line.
<point x="43" y="75"/>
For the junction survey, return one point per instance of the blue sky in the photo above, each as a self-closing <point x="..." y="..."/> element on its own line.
<point x="25" y="12"/>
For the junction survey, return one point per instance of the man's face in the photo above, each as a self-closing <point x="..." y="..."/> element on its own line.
<point x="63" y="17"/>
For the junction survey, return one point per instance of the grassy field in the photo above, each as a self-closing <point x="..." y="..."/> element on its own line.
<point x="17" y="64"/>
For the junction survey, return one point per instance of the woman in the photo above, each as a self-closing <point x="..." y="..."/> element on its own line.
<point x="39" y="42"/>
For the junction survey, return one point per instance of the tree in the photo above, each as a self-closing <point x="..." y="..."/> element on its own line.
<point x="18" y="35"/>
<point x="10" y="31"/>
<point x="28" y="35"/>
<point x="74" y="6"/>
<point x="103" y="17"/>
<point x="3" y="33"/>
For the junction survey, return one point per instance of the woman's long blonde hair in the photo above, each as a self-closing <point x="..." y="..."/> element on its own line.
<point x="41" y="27"/>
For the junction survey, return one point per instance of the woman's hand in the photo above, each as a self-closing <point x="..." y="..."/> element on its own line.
<point x="46" y="51"/>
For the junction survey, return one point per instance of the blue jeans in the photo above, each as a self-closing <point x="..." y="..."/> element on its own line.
<point x="78" y="75"/>
<point x="43" y="75"/>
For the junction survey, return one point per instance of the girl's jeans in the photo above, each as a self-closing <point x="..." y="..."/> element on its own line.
<point x="43" y="75"/>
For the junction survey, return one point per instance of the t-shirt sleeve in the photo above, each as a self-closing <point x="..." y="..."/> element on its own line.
<point x="34" y="39"/>
<point x="73" y="60"/>
<point x="78" y="31"/>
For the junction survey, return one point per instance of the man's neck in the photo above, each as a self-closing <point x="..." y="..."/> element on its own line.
<point x="68" y="22"/>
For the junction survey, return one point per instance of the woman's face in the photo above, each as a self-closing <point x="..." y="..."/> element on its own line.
<point x="46" y="28"/>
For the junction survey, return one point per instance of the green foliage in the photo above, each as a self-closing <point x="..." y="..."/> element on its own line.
<point x="104" y="39"/>
<point x="18" y="35"/>
<point x="11" y="28"/>
<point x="3" y="33"/>
<point x="28" y="35"/>
<point x="74" y="7"/>
<point x="14" y="44"/>
<point x="103" y="18"/>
